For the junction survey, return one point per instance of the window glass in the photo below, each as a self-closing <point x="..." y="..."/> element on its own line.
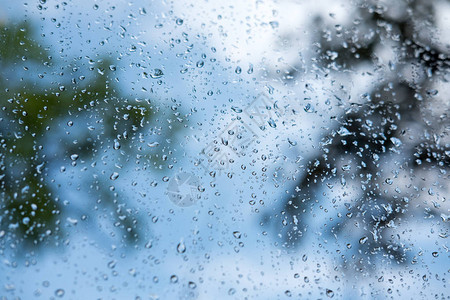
<point x="224" y="149"/>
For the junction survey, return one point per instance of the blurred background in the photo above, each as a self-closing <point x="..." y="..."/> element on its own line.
<point x="238" y="150"/>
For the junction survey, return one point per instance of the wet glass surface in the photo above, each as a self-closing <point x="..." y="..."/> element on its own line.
<point x="224" y="150"/>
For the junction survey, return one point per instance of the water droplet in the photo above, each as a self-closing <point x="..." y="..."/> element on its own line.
<point x="274" y="24"/>
<point x="237" y="234"/>
<point x="153" y="144"/>
<point x="112" y="264"/>
<point x="363" y="240"/>
<point x="308" y="108"/>
<point x="236" y="109"/>
<point x="181" y="248"/>
<point x="116" y="145"/>
<point x="39" y="168"/>
<point x="200" y="64"/>
<point x="250" y="69"/>
<point x="272" y="123"/>
<point x="174" y="279"/>
<point x="292" y="143"/>
<point x="346" y="168"/>
<point x="157" y="73"/>
<point x="343" y="131"/>
<point x="72" y="221"/>
<point x="397" y="142"/>
<point x="132" y="272"/>
<point x="74" y="157"/>
<point x="238" y="70"/>
<point x="59" y="293"/>
<point x="330" y="293"/>
<point x="114" y="176"/>
<point x="432" y="92"/>
<point x="179" y="21"/>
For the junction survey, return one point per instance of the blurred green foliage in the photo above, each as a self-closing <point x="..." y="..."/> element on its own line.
<point x="34" y="108"/>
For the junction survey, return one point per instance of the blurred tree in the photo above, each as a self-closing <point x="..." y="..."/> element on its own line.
<point x="399" y="127"/>
<point x="50" y="116"/>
